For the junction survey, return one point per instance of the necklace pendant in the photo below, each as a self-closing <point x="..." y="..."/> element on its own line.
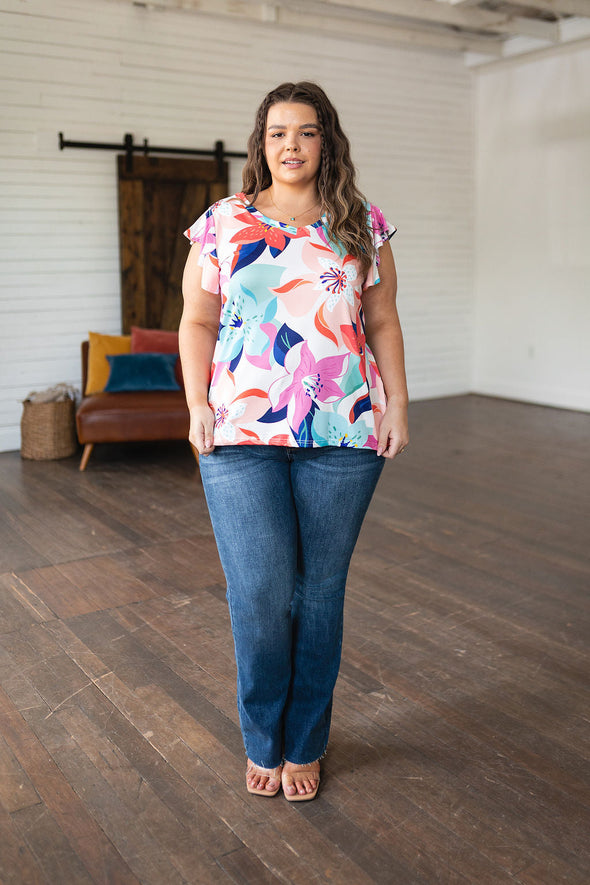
<point x="283" y="211"/>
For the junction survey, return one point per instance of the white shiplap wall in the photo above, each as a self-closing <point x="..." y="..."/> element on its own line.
<point x="97" y="69"/>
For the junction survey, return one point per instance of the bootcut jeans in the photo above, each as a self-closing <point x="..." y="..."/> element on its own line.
<point x="286" y="521"/>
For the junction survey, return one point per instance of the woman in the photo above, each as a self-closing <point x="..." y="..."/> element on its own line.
<point x="292" y="357"/>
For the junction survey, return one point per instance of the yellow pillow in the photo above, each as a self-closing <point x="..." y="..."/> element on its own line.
<point x="98" y="365"/>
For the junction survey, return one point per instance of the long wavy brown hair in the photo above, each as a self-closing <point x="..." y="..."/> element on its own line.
<point x="342" y="202"/>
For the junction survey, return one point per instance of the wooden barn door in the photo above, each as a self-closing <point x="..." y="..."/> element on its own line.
<point x="158" y="200"/>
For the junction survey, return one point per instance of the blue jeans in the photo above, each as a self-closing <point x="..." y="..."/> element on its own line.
<point x="286" y="521"/>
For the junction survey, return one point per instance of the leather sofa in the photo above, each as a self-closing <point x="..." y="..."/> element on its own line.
<point x="128" y="417"/>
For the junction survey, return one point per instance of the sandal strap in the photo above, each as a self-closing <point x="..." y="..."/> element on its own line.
<point x="312" y="773"/>
<point x="265" y="772"/>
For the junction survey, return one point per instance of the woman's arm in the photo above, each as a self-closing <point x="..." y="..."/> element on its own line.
<point x="197" y="334"/>
<point x="384" y="337"/>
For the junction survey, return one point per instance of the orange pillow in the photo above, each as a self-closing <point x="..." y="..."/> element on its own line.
<point x="99" y="346"/>
<point x="153" y="340"/>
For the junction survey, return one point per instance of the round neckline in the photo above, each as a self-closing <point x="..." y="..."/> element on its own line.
<point x="273" y="221"/>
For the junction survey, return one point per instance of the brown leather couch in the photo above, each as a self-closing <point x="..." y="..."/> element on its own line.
<point x="128" y="417"/>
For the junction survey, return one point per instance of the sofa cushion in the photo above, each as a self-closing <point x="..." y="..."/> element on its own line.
<point x="141" y="371"/>
<point x="143" y="415"/>
<point x="98" y="368"/>
<point x="153" y="340"/>
<point x="156" y="341"/>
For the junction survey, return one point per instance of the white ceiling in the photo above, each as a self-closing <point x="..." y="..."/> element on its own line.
<point x="483" y="30"/>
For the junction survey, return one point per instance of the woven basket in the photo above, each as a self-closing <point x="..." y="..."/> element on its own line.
<point x="48" y="430"/>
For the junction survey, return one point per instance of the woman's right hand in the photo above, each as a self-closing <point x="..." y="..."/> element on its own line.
<point x="201" y="429"/>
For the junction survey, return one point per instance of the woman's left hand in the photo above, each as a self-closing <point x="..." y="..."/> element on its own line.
<point x="393" y="432"/>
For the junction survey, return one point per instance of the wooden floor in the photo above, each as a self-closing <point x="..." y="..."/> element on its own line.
<point x="460" y="742"/>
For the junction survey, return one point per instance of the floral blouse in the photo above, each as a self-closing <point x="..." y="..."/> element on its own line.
<point x="291" y="366"/>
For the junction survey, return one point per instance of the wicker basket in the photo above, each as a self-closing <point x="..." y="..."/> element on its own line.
<point x="48" y="430"/>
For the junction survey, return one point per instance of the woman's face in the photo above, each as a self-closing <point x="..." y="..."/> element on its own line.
<point x="292" y="143"/>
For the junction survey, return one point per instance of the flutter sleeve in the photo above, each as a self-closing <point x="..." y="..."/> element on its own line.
<point x="382" y="231"/>
<point x="203" y="232"/>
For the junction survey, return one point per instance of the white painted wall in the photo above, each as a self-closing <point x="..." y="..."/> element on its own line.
<point x="532" y="331"/>
<point x="96" y="69"/>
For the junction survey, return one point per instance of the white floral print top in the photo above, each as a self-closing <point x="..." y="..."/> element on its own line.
<point x="291" y="366"/>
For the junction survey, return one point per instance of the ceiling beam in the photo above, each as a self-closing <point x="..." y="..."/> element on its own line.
<point x="522" y="26"/>
<point x="558" y="7"/>
<point x="460" y="2"/>
<point x="448" y="25"/>
<point x="293" y="13"/>
<point x="427" y="11"/>
<point x="344" y="21"/>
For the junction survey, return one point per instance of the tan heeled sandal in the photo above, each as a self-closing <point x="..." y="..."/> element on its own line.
<point x="271" y="773"/>
<point x="312" y="774"/>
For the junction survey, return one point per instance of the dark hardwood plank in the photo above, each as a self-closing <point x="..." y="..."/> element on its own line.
<point x="194" y="757"/>
<point x="13" y="615"/>
<point x="19" y="603"/>
<point x="107" y="726"/>
<point x="136" y="836"/>
<point x="460" y="750"/>
<point x="96" y="853"/>
<point x="244" y="867"/>
<point x="16" y="553"/>
<point x="53" y="853"/>
<point x="16" y="790"/>
<point x="17" y="863"/>
<point x="81" y="586"/>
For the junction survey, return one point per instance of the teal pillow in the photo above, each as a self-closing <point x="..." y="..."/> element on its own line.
<point x="142" y="371"/>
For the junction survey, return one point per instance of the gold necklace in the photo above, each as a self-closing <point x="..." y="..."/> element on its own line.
<point x="292" y="217"/>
